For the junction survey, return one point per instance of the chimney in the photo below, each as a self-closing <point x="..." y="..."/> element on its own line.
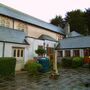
<point x="67" y="29"/>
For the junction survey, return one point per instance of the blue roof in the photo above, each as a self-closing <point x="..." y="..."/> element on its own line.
<point x="10" y="35"/>
<point x="75" y="42"/>
<point x="74" y="34"/>
<point x="5" y="10"/>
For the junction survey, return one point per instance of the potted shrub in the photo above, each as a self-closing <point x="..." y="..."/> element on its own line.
<point x="40" y="51"/>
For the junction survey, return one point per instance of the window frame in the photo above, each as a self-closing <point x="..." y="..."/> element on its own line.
<point x="18" y="52"/>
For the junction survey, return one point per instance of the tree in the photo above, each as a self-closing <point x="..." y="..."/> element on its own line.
<point x="77" y="21"/>
<point x="58" y="21"/>
<point x="87" y="16"/>
<point x="40" y="51"/>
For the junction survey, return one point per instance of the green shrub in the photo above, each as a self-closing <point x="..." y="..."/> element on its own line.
<point x="33" y="67"/>
<point x="77" y="62"/>
<point x="7" y="66"/>
<point x="72" y="62"/>
<point x="40" y="51"/>
<point x="67" y="62"/>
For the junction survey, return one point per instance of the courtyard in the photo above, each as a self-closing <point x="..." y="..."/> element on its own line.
<point x="69" y="79"/>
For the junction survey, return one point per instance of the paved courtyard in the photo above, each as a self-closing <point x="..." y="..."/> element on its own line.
<point x="69" y="79"/>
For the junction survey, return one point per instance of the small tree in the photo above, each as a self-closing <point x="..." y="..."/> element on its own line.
<point x="40" y="51"/>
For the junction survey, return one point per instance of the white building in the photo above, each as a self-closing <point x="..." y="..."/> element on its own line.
<point x="21" y="35"/>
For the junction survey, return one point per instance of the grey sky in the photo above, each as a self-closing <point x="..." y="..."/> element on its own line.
<point x="47" y="9"/>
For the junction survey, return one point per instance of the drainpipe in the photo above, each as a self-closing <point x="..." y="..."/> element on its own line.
<point x="3" y="51"/>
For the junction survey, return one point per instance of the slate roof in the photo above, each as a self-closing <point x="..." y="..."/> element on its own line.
<point x="74" y="34"/>
<point x="5" y="10"/>
<point x="75" y="42"/>
<point x="13" y="36"/>
<point x="46" y="37"/>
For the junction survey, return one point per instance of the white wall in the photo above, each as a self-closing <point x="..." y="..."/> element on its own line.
<point x="29" y="51"/>
<point x="8" y="49"/>
<point x="34" y="43"/>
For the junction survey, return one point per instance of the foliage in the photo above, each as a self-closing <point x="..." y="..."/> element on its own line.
<point x="40" y="51"/>
<point x="72" y="62"/>
<point x="58" y="21"/>
<point x="77" y="62"/>
<point x="7" y="66"/>
<point x="33" y="67"/>
<point x="87" y="16"/>
<point x="77" y="21"/>
<point x="67" y="62"/>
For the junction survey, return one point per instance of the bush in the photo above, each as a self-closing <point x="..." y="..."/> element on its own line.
<point x="72" y="62"/>
<point x="67" y="62"/>
<point x="33" y="67"/>
<point x="40" y="51"/>
<point x="77" y="62"/>
<point x="7" y="66"/>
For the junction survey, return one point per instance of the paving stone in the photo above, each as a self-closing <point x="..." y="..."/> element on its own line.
<point x="69" y="79"/>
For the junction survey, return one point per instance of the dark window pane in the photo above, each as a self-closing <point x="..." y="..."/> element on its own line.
<point x="76" y="53"/>
<point x="14" y="53"/>
<point x="60" y="53"/>
<point x="86" y="52"/>
<point x="67" y="53"/>
<point x="18" y="53"/>
<point x="21" y="53"/>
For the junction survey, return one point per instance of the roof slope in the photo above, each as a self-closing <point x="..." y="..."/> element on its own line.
<point x="29" y="19"/>
<point x="10" y="35"/>
<point x="46" y="37"/>
<point x="74" y="34"/>
<point x="75" y="42"/>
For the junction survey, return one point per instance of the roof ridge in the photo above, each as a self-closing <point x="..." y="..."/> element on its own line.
<point x="25" y="14"/>
<point x="29" y="19"/>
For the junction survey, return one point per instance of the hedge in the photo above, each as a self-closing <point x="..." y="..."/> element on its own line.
<point x="72" y="62"/>
<point x="77" y="62"/>
<point x="7" y="66"/>
<point x="67" y="62"/>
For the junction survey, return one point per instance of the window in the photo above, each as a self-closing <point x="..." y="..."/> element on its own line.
<point x="18" y="52"/>
<point x="21" y="53"/>
<point x="60" y="37"/>
<point x="7" y="22"/>
<point x="86" y="52"/>
<point x="14" y="53"/>
<point x="76" y="53"/>
<point x="60" y="53"/>
<point x="4" y="21"/>
<point x="22" y="26"/>
<point x="67" y="53"/>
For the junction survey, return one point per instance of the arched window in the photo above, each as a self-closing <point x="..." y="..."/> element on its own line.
<point x="2" y="21"/>
<point x="7" y="22"/>
<point x="22" y="26"/>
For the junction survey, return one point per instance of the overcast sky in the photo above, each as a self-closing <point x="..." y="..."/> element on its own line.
<point x="47" y="9"/>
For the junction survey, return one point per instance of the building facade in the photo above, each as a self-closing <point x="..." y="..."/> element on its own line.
<point x="21" y="35"/>
<point x="75" y="45"/>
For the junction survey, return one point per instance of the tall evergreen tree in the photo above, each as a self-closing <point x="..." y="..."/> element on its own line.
<point x="76" y="19"/>
<point x="58" y="21"/>
<point x="87" y="16"/>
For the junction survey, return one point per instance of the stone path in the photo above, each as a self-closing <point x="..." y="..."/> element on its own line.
<point x="69" y="79"/>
